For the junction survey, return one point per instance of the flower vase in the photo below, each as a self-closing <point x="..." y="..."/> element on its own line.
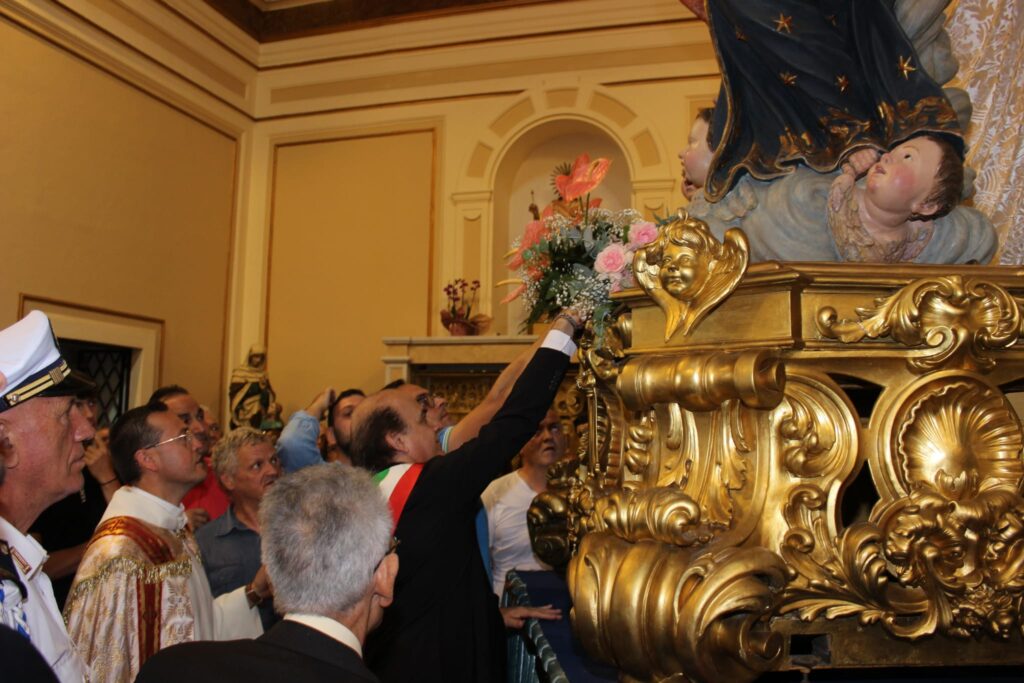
<point x="461" y="328"/>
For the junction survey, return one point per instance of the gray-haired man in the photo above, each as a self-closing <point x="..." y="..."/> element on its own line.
<point x="247" y="466"/>
<point x="42" y="429"/>
<point x="326" y="534"/>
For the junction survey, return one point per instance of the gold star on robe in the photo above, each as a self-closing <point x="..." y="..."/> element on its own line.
<point x="788" y="78"/>
<point x="784" y="23"/>
<point x="842" y="82"/>
<point x="905" y="67"/>
<point x="740" y="35"/>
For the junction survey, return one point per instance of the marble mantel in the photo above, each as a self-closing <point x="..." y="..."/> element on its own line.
<point x="406" y="356"/>
<point x="462" y="369"/>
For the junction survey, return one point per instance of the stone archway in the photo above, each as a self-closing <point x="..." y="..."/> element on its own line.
<point x="481" y="202"/>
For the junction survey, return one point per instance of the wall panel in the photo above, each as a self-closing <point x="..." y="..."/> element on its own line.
<point x="112" y="199"/>
<point x="349" y="259"/>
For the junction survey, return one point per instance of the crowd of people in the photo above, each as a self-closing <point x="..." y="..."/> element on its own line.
<point x="161" y="545"/>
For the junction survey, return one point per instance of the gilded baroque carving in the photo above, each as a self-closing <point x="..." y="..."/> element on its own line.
<point x="688" y="272"/>
<point x="638" y="444"/>
<point x="663" y="514"/>
<point x="703" y="519"/>
<point x="702" y="381"/>
<point x="722" y="470"/>
<point x="947" y="556"/>
<point x="817" y="431"/>
<point x="962" y="319"/>
<point x="659" y="610"/>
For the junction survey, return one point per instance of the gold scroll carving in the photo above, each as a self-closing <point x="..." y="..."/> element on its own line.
<point x="711" y="513"/>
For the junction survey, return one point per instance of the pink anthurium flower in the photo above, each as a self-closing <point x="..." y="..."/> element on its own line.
<point x="585" y="176"/>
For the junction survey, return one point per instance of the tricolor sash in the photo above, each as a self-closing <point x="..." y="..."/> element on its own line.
<point x="396" y="483"/>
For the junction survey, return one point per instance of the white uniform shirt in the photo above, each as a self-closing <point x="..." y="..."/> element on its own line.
<point x="45" y="624"/>
<point x="507" y="500"/>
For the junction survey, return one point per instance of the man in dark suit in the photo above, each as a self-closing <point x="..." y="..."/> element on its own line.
<point x="444" y="624"/>
<point x="326" y="532"/>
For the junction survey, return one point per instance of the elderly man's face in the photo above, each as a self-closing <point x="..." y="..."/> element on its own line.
<point x="258" y="469"/>
<point x="548" y="445"/>
<point x="192" y="414"/>
<point x="45" y="452"/>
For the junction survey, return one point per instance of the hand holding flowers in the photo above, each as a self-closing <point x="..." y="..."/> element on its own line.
<point x="578" y="254"/>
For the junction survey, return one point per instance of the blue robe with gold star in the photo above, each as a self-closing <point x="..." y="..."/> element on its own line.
<point x="808" y="81"/>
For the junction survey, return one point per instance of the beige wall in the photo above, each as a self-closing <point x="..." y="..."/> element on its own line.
<point x="349" y="260"/>
<point x="110" y="198"/>
<point x="346" y="221"/>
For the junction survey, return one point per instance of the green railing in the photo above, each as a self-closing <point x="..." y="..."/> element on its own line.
<point x="530" y="657"/>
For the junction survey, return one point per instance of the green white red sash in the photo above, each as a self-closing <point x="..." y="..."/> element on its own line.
<point x="396" y="483"/>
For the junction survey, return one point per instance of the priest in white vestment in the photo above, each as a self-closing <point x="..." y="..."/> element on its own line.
<point x="140" y="586"/>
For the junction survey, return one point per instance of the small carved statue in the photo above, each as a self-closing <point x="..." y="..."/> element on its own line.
<point x="687" y="271"/>
<point x="250" y="394"/>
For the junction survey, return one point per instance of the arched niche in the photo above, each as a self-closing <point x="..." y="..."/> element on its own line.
<point x="528" y="167"/>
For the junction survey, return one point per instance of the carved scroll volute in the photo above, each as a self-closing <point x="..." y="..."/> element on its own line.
<point x="657" y="611"/>
<point x="817" y="430"/>
<point x="702" y="381"/>
<point x="961" y="319"/>
<point x="688" y="272"/>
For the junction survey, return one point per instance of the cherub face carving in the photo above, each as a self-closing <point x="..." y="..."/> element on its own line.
<point x="684" y="270"/>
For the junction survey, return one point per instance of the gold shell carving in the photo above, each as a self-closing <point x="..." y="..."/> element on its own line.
<point x="687" y="271"/>
<point x="959" y="437"/>
<point x="961" y="318"/>
<point x="945" y="557"/>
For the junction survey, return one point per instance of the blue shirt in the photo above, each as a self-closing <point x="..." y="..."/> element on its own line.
<point x="296" y="447"/>
<point x="231" y="558"/>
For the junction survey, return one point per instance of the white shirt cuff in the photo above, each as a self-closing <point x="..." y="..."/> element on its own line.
<point x="559" y="341"/>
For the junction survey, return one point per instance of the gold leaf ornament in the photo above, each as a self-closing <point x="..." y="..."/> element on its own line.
<point x="960" y="318"/>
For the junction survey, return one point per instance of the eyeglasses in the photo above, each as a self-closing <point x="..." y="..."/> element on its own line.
<point x="187" y="436"/>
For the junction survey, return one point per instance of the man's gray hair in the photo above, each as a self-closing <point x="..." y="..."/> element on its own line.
<point x="324" y="530"/>
<point x="225" y="453"/>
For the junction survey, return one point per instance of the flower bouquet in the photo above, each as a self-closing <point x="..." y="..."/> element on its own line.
<point x="457" y="316"/>
<point x="576" y="252"/>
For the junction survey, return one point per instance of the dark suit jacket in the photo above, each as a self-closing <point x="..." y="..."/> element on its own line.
<point x="444" y="624"/>
<point x="289" y="652"/>
<point x="20" y="660"/>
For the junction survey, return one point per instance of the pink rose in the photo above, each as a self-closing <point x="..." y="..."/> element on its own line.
<point x="641" y="233"/>
<point x="611" y="259"/>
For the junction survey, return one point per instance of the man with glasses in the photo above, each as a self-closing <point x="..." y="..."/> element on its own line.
<point x="327" y="546"/>
<point x="246" y="466"/>
<point x="206" y="500"/>
<point x="141" y="586"/>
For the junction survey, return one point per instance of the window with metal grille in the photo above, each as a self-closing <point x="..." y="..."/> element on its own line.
<point x="109" y="366"/>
